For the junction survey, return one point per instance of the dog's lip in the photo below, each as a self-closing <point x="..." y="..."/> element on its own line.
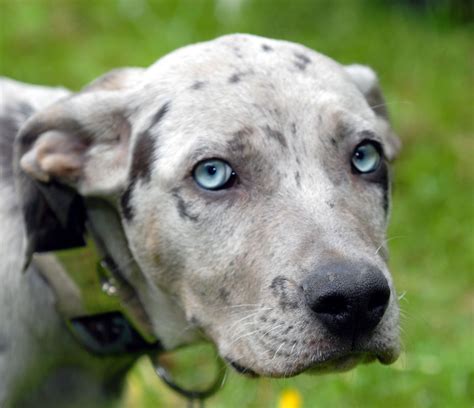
<point x="241" y="369"/>
<point x="387" y="358"/>
<point x="348" y="360"/>
<point x="328" y="363"/>
<point x="338" y="362"/>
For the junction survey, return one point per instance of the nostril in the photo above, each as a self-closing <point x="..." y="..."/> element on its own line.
<point x="335" y="304"/>
<point x="378" y="300"/>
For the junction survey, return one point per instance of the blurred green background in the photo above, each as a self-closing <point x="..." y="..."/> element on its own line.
<point x="424" y="55"/>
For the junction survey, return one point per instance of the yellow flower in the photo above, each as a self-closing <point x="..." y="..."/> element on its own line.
<point x="290" y="398"/>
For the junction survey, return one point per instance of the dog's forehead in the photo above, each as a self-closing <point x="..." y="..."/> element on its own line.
<point x="254" y="69"/>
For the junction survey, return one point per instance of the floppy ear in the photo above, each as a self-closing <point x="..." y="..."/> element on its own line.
<point x="76" y="147"/>
<point x="81" y="142"/>
<point x="367" y="82"/>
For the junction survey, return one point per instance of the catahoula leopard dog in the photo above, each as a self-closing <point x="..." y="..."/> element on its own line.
<point x="242" y="187"/>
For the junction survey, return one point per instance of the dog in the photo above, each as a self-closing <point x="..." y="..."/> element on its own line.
<point x="242" y="188"/>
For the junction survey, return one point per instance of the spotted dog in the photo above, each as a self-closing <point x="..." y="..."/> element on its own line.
<point x="242" y="186"/>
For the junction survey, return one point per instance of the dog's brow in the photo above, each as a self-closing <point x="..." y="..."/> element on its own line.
<point x="159" y="115"/>
<point x="346" y="131"/>
<point x="368" y="134"/>
<point x="142" y="158"/>
<point x="141" y="167"/>
<point x="276" y="134"/>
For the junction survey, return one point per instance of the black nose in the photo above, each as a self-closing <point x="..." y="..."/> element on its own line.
<point x="349" y="299"/>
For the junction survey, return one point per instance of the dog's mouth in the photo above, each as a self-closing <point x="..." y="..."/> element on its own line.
<point x="330" y="363"/>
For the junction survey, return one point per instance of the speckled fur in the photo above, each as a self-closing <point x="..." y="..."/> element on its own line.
<point x="228" y="265"/>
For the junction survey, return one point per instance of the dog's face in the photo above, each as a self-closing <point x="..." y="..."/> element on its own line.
<point x="253" y="183"/>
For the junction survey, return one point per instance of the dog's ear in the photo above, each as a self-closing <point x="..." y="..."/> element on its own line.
<point x="367" y="82"/>
<point x="78" y="146"/>
<point x="81" y="141"/>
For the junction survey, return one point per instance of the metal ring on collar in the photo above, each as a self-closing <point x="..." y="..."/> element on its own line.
<point x="191" y="395"/>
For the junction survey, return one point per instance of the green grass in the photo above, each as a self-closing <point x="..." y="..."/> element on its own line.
<point x="426" y="69"/>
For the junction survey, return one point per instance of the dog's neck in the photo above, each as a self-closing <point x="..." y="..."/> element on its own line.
<point x="159" y="311"/>
<point x="153" y="311"/>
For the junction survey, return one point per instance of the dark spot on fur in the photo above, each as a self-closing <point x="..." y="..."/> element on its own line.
<point x="277" y="135"/>
<point x="302" y="61"/>
<point x="142" y="158"/>
<point x="263" y="319"/>
<point x="234" y="78"/>
<point x="198" y="85"/>
<point x="237" y="52"/>
<point x="384" y="182"/>
<point x="334" y="141"/>
<point x="245" y="131"/>
<point x="25" y="109"/>
<point x="330" y="204"/>
<point x="298" y="179"/>
<point x="144" y="150"/>
<point x="237" y="76"/>
<point x="298" y="161"/>
<point x="195" y="321"/>
<point x="182" y="207"/>
<point x="279" y="288"/>
<point x="127" y="208"/>
<point x="266" y="48"/>
<point x="238" y="144"/>
<point x="303" y="58"/>
<point x="287" y="330"/>
<point x="224" y="295"/>
<point x="158" y="116"/>
<point x="293" y="128"/>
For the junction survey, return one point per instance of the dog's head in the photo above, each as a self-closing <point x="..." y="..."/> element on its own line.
<point x="252" y="180"/>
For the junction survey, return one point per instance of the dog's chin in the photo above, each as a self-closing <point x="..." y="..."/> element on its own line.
<point x="325" y="365"/>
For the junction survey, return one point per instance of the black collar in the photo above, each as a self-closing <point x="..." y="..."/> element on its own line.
<point x="56" y="220"/>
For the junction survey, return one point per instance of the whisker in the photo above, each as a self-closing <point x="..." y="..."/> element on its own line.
<point x="293" y="348"/>
<point x="277" y="350"/>
<point x="243" y="319"/>
<point x="401" y="296"/>
<point x="404" y="102"/>
<point x="242" y="336"/>
<point x="386" y="241"/>
<point x="273" y="328"/>
<point x="243" y="305"/>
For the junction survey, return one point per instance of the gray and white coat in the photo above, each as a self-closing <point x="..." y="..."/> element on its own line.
<point x="235" y="266"/>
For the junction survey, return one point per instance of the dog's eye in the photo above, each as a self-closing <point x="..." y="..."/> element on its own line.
<point x="214" y="174"/>
<point x="366" y="157"/>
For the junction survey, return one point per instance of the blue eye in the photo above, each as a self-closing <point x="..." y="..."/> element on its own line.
<point x="213" y="174"/>
<point x="366" y="157"/>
